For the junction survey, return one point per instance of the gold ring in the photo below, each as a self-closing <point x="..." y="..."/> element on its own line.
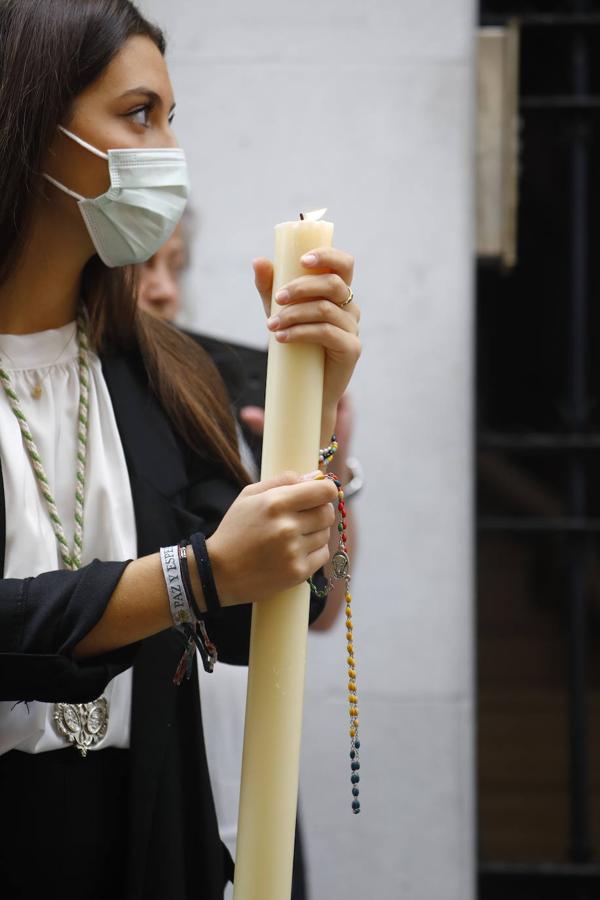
<point x="350" y="298"/>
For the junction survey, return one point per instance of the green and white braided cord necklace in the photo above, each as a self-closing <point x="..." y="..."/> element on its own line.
<point x="70" y="558"/>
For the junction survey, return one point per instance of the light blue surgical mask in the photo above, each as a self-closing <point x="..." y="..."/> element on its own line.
<point x="142" y="207"/>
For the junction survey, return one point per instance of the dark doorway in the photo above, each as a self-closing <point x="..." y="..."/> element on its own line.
<point x="538" y="384"/>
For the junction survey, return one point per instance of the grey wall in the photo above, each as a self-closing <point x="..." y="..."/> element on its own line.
<point x="364" y="108"/>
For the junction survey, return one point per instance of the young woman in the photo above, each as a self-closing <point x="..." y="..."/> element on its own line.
<point x="116" y="440"/>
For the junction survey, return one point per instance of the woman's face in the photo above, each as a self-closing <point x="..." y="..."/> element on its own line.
<point x="130" y="105"/>
<point x="158" y="279"/>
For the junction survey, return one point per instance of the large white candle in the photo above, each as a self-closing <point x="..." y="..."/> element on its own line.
<point x="269" y="789"/>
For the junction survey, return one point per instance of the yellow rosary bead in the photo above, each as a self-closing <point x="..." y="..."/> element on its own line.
<point x="352" y="687"/>
<point x="350" y="660"/>
<point x="352" y="732"/>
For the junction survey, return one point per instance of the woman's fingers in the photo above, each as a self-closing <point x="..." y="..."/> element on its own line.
<point x="305" y="495"/>
<point x="268" y="484"/>
<point x="254" y="418"/>
<point x="333" y="272"/>
<point x="341" y="345"/>
<point x="313" y="312"/>
<point x="331" y="287"/>
<point x="316" y="520"/>
<point x="293" y="493"/>
<point x="263" y="279"/>
<point x="314" y="541"/>
<point x="331" y="259"/>
<point x="317" y="559"/>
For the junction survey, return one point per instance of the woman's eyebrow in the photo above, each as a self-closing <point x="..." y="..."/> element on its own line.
<point x="148" y="92"/>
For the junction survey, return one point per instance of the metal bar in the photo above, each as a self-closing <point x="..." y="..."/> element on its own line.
<point x="542" y="20"/>
<point x="576" y="414"/>
<point x="538" y="442"/>
<point x="553" y="102"/>
<point x="542" y="870"/>
<point x="539" y="524"/>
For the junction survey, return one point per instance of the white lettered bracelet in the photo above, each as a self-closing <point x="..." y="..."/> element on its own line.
<point x="178" y="601"/>
<point x="182" y="604"/>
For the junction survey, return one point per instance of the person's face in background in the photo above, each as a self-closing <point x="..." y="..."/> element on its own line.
<point x="158" y="286"/>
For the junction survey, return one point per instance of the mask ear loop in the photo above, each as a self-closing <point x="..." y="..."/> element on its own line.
<point x="83" y="143"/>
<point x="62" y="187"/>
<point x="86" y="146"/>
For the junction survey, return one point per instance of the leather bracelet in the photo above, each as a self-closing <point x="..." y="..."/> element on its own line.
<point x="187" y="581"/>
<point x="211" y="597"/>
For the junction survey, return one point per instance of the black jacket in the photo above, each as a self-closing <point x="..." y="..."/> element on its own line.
<point x="175" y="492"/>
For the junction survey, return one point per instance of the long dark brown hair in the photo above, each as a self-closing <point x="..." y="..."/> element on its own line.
<point x="50" y="51"/>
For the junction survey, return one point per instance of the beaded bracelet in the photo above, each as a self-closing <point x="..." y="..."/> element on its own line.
<point x="340" y="564"/>
<point x="327" y="453"/>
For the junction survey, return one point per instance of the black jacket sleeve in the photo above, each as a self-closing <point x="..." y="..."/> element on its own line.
<point x="42" y="619"/>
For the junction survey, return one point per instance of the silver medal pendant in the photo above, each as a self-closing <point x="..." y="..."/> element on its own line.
<point x="82" y="724"/>
<point x="340" y="564"/>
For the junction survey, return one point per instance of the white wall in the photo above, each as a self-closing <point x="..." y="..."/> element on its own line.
<point x="364" y="108"/>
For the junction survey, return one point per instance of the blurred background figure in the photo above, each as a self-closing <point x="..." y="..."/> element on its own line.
<point x="243" y="370"/>
<point x="159" y="292"/>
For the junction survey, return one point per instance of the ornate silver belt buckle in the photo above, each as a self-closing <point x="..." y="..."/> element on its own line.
<point x="82" y="724"/>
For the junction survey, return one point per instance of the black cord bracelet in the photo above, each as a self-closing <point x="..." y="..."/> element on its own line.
<point x="187" y="581"/>
<point x="211" y="597"/>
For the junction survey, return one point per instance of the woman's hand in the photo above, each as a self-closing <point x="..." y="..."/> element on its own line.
<point x="312" y="314"/>
<point x="273" y="537"/>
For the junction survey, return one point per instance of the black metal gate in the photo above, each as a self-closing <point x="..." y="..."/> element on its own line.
<point x="539" y="482"/>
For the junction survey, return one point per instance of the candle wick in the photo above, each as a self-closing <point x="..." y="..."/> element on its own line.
<point x="302" y="217"/>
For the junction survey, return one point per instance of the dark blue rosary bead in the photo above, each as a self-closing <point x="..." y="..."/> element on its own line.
<point x="357" y="744"/>
<point x="356" y="806"/>
<point x="352" y="754"/>
<point x="355" y="766"/>
<point x="355" y="792"/>
<point x="355" y="779"/>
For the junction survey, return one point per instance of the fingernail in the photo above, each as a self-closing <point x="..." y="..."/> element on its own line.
<point x="310" y="476"/>
<point x="273" y="323"/>
<point x="282" y="296"/>
<point x="309" y="259"/>
<point x="281" y="335"/>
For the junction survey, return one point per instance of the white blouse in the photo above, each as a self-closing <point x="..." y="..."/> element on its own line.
<point x="50" y="359"/>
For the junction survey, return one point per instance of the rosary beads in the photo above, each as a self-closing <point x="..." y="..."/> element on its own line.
<point x="340" y="563"/>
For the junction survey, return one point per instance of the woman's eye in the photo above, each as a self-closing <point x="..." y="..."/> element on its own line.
<point x="141" y="116"/>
